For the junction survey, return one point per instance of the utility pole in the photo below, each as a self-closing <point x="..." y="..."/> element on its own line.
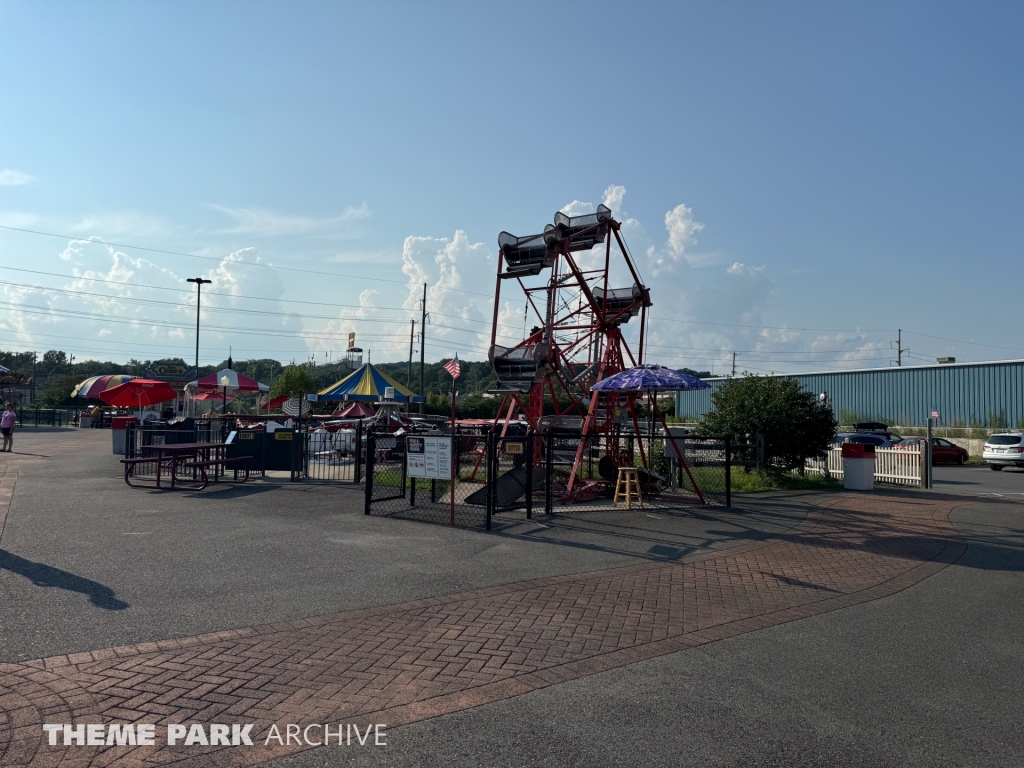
<point x="733" y="363"/>
<point x="408" y="376"/>
<point x="423" y="342"/>
<point x="199" y="295"/>
<point x="899" y="347"/>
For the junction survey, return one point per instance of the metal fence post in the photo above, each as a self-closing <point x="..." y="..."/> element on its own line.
<point x="401" y="440"/>
<point x="263" y="452"/>
<point x="548" y="472"/>
<point x="728" y="472"/>
<point x="371" y="448"/>
<point x="491" y="472"/>
<point x="928" y="455"/>
<point x="529" y="476"/>
<point x="359" y="452"/>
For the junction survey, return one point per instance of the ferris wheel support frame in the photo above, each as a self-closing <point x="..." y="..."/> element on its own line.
<point x="607" y="350"/>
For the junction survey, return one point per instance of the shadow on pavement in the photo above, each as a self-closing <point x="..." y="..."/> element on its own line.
<point x="47" y="576"/>
<point x="597" y="533"/>
<point x="844" y="529"/>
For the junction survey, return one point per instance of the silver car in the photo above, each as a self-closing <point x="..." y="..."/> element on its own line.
<point x="1004" y="450"/>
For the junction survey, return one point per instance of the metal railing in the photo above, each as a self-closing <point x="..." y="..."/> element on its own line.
<point x="34" y="416"/>
<point x="337" y="456"/>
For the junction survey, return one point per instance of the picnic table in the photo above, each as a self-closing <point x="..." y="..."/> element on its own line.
<point x="198" y="457"/>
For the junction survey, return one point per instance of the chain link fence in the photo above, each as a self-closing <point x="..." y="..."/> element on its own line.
<point x="453" y="498"/>
<point x="494" y="478"/>
<point x="583" y="473"/>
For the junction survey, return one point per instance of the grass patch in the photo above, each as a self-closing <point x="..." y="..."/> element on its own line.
<point x="758" y="481"/>
<point x="712" y="479"/>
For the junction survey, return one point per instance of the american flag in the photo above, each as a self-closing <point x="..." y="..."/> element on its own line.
<point x="453" y="367"/>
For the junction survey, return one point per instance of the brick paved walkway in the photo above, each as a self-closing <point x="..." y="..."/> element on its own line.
<point x="417" y="660"/>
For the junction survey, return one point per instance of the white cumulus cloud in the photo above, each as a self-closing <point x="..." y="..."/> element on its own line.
<point x="265" y="223"/>
<point x="12" y="178"/>
<point x="681" y="228"/>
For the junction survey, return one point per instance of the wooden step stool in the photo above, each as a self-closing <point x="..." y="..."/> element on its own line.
<point x="627" y="486"/>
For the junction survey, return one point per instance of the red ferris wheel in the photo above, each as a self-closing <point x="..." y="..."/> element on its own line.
<point x="566" y="273"/>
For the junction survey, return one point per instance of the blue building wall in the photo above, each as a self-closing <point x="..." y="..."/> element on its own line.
<point x="964" y="394"/>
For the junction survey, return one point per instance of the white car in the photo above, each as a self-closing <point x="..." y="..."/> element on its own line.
<point x="1004" y="450"/>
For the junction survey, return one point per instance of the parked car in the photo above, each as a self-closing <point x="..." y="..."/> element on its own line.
<point x="875" y="428"/>
<point x="943" y="451"/>
<point x="864" y="438"/>
<point x="1004" y="450"/>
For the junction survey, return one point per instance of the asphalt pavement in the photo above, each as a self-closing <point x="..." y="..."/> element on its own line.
<point x="932" y="676"/>
<point x="87" y="562"/>
<point x="978" y="480"/>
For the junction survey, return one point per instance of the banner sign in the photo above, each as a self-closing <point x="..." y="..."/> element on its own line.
<point x="170" y="372"/>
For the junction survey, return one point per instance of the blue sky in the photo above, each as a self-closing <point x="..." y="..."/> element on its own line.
<point x="797" y="180"/>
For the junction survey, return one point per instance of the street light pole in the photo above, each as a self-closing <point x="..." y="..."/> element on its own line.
<point x="199" y="295"/>
<point x="423" y="342"/>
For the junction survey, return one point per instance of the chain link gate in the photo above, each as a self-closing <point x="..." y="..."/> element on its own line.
<point x="391" y="492"/>
<point x="333" y="456"/>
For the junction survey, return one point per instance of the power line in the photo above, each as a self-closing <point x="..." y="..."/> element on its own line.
<point x="727" y="356"/>
<point x="208" y="293"/>
<point x="960" y="341"/>
<point x="775" y="327"/>
<point x="278" y="333"/>
<point x="237" y="310"/>
<point x="768" y="351"/>
<point x="218" y="259"/>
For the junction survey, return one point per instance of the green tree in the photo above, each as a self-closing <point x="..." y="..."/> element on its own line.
<point x="295" y="380"/>
<point x="794" y="424"/>
<point x="59" y="391"/>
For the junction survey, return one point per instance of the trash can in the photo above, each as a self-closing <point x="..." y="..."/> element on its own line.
<point x="858" y="467"/>
<point x="118" y="425"/>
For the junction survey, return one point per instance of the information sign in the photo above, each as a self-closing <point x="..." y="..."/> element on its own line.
<point x="429" y="457"/>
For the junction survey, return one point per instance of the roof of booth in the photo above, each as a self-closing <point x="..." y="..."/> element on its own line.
<point x="366" y="384"/>
<point x="354" y="411"/>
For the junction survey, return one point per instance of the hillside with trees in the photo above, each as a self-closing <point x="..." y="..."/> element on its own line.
<point x="56" y="374"/>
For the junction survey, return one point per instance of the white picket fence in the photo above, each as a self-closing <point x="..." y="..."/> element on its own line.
<point x="894" y="466"/>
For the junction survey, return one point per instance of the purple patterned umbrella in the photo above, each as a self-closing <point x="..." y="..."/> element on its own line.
<point x="649" y="378"/>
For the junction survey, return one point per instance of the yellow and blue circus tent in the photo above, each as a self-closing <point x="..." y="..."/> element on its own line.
<point x="367" y="385"/>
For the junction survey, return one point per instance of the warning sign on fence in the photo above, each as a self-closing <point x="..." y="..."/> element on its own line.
<point x="429" y="457"/>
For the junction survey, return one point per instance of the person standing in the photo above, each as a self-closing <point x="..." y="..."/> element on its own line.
<point x="7" y="427"/>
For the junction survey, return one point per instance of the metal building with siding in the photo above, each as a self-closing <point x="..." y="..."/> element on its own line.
<point x="964" y="394"/>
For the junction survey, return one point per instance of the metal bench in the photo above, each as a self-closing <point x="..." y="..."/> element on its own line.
<point x="237" y="464"/>
<point x="129" y="473"/>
